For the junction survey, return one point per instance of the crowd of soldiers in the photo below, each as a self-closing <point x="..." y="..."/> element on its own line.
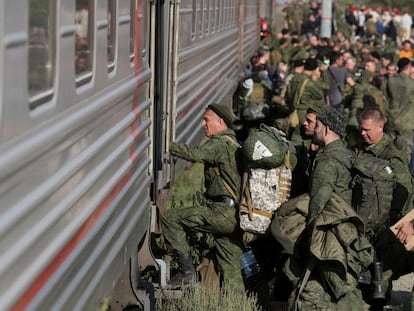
<point x="337" y="98"/>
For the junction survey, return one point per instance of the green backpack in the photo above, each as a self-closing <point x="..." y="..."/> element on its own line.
<point x="256" y="106"/>
<point x="266" y="148"/>
<point x="372" y="185"/>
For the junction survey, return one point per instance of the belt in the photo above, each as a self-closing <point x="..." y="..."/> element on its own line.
<point x="222" y="199"/>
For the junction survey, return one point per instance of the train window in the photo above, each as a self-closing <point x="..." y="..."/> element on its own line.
<point x="221" y="15"/>
<point x="212" y="15"/>
<point x="112" y="17"/>
<point x="41" y="51"/>
<point x="206" y="17"/>
<point x="217" y="16"/>
<point x="200" y="19"/>
<point x="194" y="21"/>
<point x="132" y="30"/>
<point x="226" y="12"/>
<point x="234" y="16"/>
<point x="83" y="42"/>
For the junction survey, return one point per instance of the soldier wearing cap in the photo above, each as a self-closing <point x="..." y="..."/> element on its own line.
<point x="331" y="174"/>
<point x="216" y="213"/>
<point x="333" y="242"/>
<point x="331" y="171"/>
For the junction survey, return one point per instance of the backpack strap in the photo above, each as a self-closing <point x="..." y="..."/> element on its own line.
<point x="287" y="160"/>
<point x="302" y="89"/>
<point x="218" y="173"/>
<point x="226" y="185"/>
<point x="233" y="141"/>
<point x="303" y="281"/>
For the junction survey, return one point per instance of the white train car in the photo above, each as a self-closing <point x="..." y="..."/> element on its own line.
<point x="91" y="93"/>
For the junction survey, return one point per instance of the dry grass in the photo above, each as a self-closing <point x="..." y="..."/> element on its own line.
<point x="203" y="299"/>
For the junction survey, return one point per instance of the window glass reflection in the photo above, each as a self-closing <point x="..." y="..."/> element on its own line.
<point x="83" y="58"/>
<point x="111" y="34"/>
<point x="41" y="50"/>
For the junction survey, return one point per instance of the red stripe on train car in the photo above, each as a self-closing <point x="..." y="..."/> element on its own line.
<point x="137" y="52"/>
<point x="47" y="273"/>
<point x="43" y="278"/>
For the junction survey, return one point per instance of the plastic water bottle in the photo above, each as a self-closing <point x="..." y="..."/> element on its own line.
<point x="249" y="265"/>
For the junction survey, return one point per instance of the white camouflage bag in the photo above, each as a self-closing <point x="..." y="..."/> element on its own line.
<point x="266" y="190"/>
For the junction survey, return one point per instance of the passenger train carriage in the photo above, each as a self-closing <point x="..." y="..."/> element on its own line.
<point x="92" y="91"/>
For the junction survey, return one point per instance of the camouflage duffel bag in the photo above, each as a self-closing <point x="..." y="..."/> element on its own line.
<point x="265" y="191"/>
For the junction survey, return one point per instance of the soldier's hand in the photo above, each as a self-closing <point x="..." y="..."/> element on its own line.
<point x="405" y="230"/>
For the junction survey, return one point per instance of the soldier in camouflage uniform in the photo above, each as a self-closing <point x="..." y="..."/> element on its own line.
<point x="363" y="95"/>
<point x="332" y="242"/>
<point x="331" y="173"/>
<point x="305" y="152"/>
<point x="294" y="16"/>
<point x="304" y="91"/>
<point x="381" y="145"/>
<point x="217" y="213"/>
<point x="400" y="94"/>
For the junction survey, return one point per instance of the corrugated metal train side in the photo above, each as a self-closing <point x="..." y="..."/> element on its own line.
<point x="91" y="94"/>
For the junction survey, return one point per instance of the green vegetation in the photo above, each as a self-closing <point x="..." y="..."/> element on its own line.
<point x="204" y="299"/>
<point x="187" y="187"/>
<point x="184" y="190"/>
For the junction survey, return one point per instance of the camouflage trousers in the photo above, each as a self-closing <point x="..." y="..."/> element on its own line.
<point x="218" y="219"/>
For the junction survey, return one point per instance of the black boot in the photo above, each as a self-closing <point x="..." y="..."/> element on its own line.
<point x="187" y="275"/>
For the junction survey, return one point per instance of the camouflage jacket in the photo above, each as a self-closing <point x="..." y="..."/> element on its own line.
<point x="219" y="151"/>
<point x="331" y="173"/>
<point x="312" y="96"/>
<point x="387" y="150"/>
<point x="339" y="244"/>
<point x="400" y="94"/>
